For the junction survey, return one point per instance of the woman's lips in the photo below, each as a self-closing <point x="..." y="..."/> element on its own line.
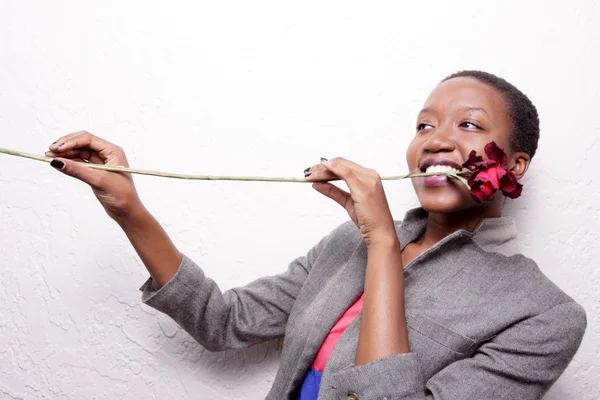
<point x="435" y="180"/>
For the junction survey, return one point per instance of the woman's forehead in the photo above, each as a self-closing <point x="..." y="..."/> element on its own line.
<point x="464" y="94"/>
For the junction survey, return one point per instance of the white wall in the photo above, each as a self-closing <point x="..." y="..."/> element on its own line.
<point x="257" y="88"/>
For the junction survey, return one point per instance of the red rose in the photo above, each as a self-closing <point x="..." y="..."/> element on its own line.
<point x="482" y="191"/>
<point x="510" y="186"/>
<point x="491" y="175"/>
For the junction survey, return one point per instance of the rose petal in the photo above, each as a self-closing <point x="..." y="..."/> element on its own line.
<point x="495" y="153"/>
<point x="517" y="192"/>
<point x="510" y="186"/>
<point x="481" y="191"/>
<point x="471" y="179"/>
<point x="508" y="183"/>
<point x="487" y="163"/>
<point x="488" y="189"/>
<point x="474" y="196"/>
<point x="476" y="193"/>
<point x="499" y="173"/>
<point x="472" y="163"/>
<point x="492" y="175"/>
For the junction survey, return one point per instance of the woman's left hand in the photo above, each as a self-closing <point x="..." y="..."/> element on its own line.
<point x="366" y="203"/>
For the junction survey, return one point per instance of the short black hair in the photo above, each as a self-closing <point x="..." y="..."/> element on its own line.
<point x="521" y="111"/>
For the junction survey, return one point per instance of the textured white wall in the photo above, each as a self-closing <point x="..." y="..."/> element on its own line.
<point x="254" y="87"/>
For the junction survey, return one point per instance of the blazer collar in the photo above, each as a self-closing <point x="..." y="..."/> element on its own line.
<point x="489" y="233"/>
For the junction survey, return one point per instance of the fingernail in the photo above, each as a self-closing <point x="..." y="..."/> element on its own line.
<point x="324" y="159"/>
<point x="62" y="144"/>
<point x="307" y="174"/>
<point x="53" y="142"/>
<point x="57" y="164"/>
<point x="307" y="169"/>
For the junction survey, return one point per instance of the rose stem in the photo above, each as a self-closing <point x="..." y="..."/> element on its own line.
<point x="118" y="168"/>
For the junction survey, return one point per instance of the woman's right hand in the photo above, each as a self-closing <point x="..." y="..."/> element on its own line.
<point x="115" y="190"/>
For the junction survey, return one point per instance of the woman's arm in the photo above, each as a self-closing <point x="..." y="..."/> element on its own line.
<point x="117" y="194"/>
<point x="239" y="317"/>
<point x="152" y="244"/>
<point x="178" y="287"/>
<point x="383" y="324"/>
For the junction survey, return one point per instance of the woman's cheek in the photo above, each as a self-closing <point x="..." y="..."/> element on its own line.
<point x="412" y="155"/>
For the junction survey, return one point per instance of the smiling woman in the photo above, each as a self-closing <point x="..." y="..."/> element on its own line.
<point x="465" y="112"/>
<point x="435" y="306"/>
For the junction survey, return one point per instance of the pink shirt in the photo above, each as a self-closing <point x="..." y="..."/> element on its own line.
<point x="335" y="333"/>
<point x="309" y="390"/>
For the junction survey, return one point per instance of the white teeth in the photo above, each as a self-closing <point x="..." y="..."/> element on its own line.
<point x="440" y="169"/>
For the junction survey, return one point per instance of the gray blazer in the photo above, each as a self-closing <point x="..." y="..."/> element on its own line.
<point x="483" y="323"/>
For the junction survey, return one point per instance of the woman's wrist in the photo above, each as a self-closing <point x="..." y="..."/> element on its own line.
<point x="135" y="218"/>
<point x="384" y="239"/>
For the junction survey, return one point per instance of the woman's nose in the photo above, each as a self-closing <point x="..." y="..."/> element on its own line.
<point x="442" y="139"/>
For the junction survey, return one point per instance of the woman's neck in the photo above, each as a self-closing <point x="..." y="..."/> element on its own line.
<point x="440" y="225"/>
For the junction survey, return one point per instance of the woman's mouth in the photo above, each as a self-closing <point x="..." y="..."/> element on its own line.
<point x="440" y="169"/>
<point x="438" y="165"/>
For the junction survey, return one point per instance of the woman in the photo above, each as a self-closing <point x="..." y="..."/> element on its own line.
<point x="434" y="307"/>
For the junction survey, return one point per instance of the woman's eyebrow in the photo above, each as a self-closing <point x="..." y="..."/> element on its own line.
<point x="475" y="109"/>
<point x="431" y="110"/>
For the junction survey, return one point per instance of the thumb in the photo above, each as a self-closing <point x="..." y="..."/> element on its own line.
<point x="76" y="170"/>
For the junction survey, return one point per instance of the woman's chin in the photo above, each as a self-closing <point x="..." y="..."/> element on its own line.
<point x="445" y="203"/>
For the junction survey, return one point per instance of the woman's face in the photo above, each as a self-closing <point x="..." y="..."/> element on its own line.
<point x="460" y="115"/>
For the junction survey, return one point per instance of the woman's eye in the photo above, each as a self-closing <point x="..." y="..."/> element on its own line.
<point x="469" y="125"/>
<point x="422" y="126"/>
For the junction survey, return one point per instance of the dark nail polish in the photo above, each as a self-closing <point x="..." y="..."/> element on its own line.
<point x="53" y="142"/>
<point x="324" y="159"/>
<point x="57" y="164"/>
<point x="62" y="144"/>
<point x="307" y="169"/>
<point x="306" y="175"/>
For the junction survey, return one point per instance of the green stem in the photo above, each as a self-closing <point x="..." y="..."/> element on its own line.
<point x="456" y="175"/>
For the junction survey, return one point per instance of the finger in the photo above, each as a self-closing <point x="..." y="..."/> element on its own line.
<point x="59" y="143"/>
<point x="345" y="169"/>
<point x="65" y="143"/>
<point x="346" y="162"/>
<point x="78" y="155"/>
<point x="71" y="168"/>
<point x="318" y="173"/>
<point x="80" y="139"/>
<point x="321" y="172"/>
<point x="333" y="192"/>
<point x="84" y="154"/>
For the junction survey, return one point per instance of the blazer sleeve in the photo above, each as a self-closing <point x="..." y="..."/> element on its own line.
<point x="521" y="362"/>
<point x="236" y="318"/>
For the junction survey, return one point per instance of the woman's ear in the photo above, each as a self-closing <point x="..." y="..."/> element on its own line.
<point x="519" y="162"/>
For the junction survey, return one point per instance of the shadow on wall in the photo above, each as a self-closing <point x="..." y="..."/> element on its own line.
<point x="229" y="368"/>
<point x="558" y="392"/>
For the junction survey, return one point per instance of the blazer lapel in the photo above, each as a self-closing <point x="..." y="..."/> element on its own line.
<point x="344" y="352"/>
<point x="339" y="293"/>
